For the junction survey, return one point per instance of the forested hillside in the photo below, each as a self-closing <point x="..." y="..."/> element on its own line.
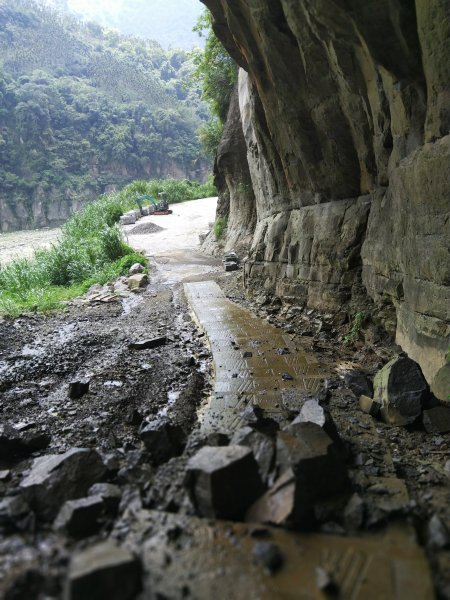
<point x="170" y="22"/>
<point x="82" y="109"/>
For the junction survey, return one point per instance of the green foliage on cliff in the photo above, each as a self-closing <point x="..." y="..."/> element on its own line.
<point x="82" y="108"/>
<point x="216" y="73"/>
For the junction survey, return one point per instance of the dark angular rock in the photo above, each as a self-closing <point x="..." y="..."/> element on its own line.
<point x="148" y="344"/>
<point x="313" y="412"/>
<point x="287" y="377"/>
<point x="13" y="509"/>
<point x="401" y="389"/>
<point x="268" y="555"/>
<point x="359" y="383"/>
<point x="247" y="354"/>
<point x="262" y="446"/>
<point x="78" y="388"/>
<point x="17" y="444"/>
<point x="437" y="420"/>
<point x="163" y="440"/>
<point x="134" y="417"/>
<point x="110" y="494"/>
<point x="252" y="414"/>
<point x="103" y="571"/>
<point x="55" y="478"/>
<point x="318" y="467"/>
<point x="277" y="505"/>
<point x="80" y="518"/>
<point x="217" y="439"/>
<point x="223" y="482"/>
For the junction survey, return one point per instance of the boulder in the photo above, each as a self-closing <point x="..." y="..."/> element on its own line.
<point x="55" y="478"/>
<point x="401" y="389"/>
<point x="138" y="281"/>
<point x="80" y="518"/>
<point x="277" y="505"/>
<point x="318" y="471"/>
<point x="16" y="444"/>
<point x="263" y="448"/>
<point x="163" y="439"/>
<point x="136" y="269"/>
<point x="313" y="412"/>
<point x="223" y="481"/>
<point x="103" y="571"/>
<point x="13" y="511"/>
<point x="441" y="383"/>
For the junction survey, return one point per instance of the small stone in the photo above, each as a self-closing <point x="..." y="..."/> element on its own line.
<point x="138" y="281"/>
<point x="252" y="414"/>
<point x="401" y="389"/>
<point x="5" y="475"/>
<point x="325" y="582"/>
<point x="223" y="481"/>
<point x="53" y="479"/>
<point x="110" y="494"/>
<point x="359" y="383"/>
<point x="369" y="406"/>
<point x="134" y="417"/>
<point x="80" y="518"/>
<point x="247" y="354"/>
<point x="148" y="344"/>
<point x="136" y="269"/>
<point x="163" y="440"/>
<point x="268" y="555"/>
<point x="78" y="388"/>
<point x="437" y="420"/>
<point x="103" y="571"/>
<point x="287" y="377"/>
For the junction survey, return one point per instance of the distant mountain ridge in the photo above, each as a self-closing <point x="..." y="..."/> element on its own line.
<point x="84" y="109"/>
<point x="169" y="22"/>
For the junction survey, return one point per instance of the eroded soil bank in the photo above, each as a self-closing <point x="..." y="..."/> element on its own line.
<point x="147" y="361"/>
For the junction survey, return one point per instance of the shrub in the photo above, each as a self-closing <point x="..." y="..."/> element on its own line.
<point x="219" y="228"/>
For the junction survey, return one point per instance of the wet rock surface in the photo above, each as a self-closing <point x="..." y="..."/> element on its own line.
<point x="102" y="507"/>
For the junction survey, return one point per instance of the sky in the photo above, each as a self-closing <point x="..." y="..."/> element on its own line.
<point x="170" y="22"/>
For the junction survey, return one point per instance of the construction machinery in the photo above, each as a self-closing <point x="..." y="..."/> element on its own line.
<point x="161" y="207"/>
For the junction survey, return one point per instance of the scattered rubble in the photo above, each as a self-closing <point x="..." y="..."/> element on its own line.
<point x="53" y="479"/>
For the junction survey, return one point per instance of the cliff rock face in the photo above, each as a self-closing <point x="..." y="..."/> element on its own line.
<point x="345" y="109"/>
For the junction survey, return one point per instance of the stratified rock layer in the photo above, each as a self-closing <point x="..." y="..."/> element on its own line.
<point x="345" y="115"/>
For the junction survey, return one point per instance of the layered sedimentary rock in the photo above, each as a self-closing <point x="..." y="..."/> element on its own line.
<point x="345" y="110"/>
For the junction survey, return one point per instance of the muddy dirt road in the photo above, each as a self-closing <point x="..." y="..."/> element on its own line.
<point x="116" y="413"/>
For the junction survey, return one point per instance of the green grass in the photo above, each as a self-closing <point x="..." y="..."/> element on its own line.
<point x="219" y="228"/>
<point x="90" y="250"/>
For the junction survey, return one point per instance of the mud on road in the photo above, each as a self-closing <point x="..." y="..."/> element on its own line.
<point x="399" y="498"/>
